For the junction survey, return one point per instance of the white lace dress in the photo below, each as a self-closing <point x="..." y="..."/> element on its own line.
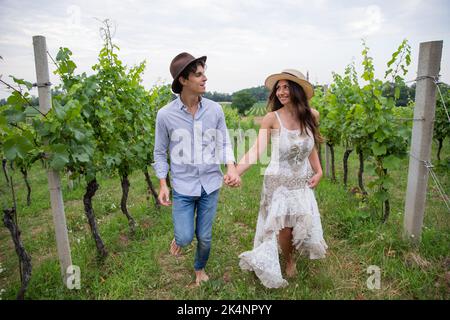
<point x="286" y="201"/>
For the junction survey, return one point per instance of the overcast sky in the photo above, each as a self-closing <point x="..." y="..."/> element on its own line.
<point x="245" y="41"/>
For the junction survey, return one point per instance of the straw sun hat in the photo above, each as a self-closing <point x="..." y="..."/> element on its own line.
<point x="293" y="75"/>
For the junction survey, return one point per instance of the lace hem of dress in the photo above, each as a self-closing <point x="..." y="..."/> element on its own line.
<point x="302" y="229"/>
<point x="264" y="261"/>
<point x="269" y="280"/>
<point x="264" y="258"/>
<point x="315" y="250"/>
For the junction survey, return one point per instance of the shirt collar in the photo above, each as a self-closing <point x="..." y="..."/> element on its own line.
<point x="183" y="107"/>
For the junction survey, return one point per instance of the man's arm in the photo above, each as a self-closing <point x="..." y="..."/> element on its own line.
<point x="160" y="155"/>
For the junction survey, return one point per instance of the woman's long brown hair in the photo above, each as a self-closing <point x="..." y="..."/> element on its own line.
<point x="303" y="110"/>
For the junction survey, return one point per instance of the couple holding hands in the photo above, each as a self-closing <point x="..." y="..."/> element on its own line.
<point x="192" y="130"/>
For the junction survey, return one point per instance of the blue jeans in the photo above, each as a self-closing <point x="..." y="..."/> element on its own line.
<point x="183" y="214"/>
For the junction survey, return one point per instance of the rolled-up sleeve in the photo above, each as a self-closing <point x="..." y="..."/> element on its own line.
<point x="161" y="145"/>
<point x="225" y="142"/>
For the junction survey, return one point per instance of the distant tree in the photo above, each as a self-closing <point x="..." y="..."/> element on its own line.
<point x="441" y="126"/>
<point x="218" y="96"/>
<point x="34" y="101"/>
<point x="406" y="93"/>
<point x="412" y="91"/>
<point x="260" y="93"/>
<point x="243" y="100"/>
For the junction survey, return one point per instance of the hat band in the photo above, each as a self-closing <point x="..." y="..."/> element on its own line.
<point x="291" y="74"/>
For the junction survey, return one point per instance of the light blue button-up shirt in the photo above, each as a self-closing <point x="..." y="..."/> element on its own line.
<point x="196" y="144"/>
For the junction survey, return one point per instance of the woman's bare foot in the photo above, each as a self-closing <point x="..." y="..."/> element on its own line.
<point x="200" y="276"/>
<point x="175" y="250"/>
<point x="291" y="269"/>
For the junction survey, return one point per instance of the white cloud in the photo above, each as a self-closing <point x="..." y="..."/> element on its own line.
<point x="369" y="21"/>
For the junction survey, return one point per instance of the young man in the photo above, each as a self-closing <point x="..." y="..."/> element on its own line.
<point x="194" y="132"/>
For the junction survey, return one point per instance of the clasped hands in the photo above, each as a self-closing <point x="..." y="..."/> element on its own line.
<point x="232" y="178"/>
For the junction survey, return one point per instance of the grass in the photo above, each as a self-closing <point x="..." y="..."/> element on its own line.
<point x="139" y="266"/>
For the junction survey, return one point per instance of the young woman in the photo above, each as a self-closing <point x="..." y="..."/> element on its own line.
<point x="288" y="217"/>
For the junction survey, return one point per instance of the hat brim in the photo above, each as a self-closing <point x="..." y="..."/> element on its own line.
<point x="274" y="78"/>
<point x="175" y="87"/>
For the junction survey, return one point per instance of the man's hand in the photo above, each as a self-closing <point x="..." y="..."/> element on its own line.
<point x="164" y="196"/>
<point x="232" y="178"/>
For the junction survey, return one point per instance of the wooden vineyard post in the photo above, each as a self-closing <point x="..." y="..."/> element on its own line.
<point x="54" y="182"/>
<point x="430" y="54"/>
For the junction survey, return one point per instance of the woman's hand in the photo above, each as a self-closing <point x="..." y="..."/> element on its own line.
<point x="314" y="181"/>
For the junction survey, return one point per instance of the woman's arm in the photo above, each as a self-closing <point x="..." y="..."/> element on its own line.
<point x="314" y="158"/>
<point x="315" y="164"/>
<point x="260" y="145"/>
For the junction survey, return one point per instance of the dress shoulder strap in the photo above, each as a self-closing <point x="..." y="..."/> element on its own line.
<point x="279" y="119"/>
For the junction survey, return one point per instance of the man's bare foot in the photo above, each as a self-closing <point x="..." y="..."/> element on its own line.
<point x="200" y="276"/>
<point x="175" y="249"/>
<point x="291" y="269"/>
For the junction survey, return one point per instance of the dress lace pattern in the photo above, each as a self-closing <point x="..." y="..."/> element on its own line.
<point x="286" y="201"/>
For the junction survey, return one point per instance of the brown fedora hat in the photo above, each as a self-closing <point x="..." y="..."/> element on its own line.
<point x="178" y="64"/>
<point x="293" y="75"/>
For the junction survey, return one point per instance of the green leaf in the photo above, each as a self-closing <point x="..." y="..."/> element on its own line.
<point x="408" y="59"/>
<point x="388" y="71"/>
<point x="3" y="121"/>
<point x="79" y="136"/>
<point x="388" y="182"/>
<point x="381" y="195"/>
<point x="63" y="54"/>
<point x="391" y="162"/>
<point x="14" y="115"/>
<point x="60" y="156"/>
<point x="58" y="148"/>
<point x="380" y="135"/>
<point x="370" y="169"/>
<point x="17" y="146"/>
<point x="378" y="149"/>
<point x="59" y="161"/>
<point x="59" y="110"/>
<point x="27" y="84"/>
<point x="397" y="93"/>
<point x="15" y="99"/>
<point x="65" y="65"/>
<point x="82" y="157"/>
<point x="366" y="76"/>
<point x="75" y="88"/>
